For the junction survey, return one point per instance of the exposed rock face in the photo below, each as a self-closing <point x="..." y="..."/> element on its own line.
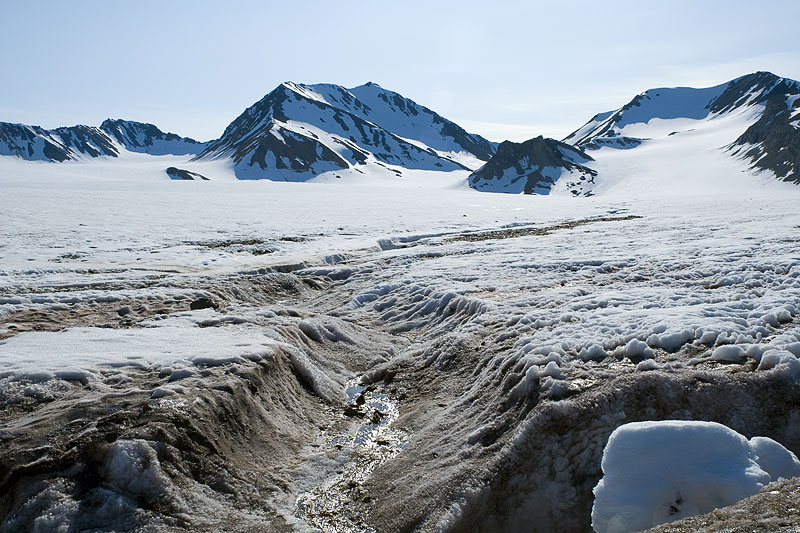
<point x="146" y="138"/>
<point x="86" y="140"/>
<point x="533" y="167"/>
<point x="297" y="132"/>
<point x="747" y="90"/>
<point x="620" y="142"/>
<point x="175" y="173"/>
<point x="773" y="143"/>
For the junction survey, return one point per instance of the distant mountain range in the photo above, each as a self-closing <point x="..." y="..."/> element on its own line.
<point x="80" y="142"/>
<point x="295" y="133"/>
<point x="300" y="132"/>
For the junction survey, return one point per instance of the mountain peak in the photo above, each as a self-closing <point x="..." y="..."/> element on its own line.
<point x="608" y="129"/>
<point x="534" y="167"/>
<point x="299" y="131"/>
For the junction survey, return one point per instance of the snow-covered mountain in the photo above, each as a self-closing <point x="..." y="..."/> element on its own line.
<point x="297" y="132"/>
<point x="534" y="167"/>
<point x="146" y="138"/>
<point x="773" y="143"/>
<point x="34" y="143"/>
<point x="407" y="119"/>
<point x="769" y="106"/>
<point x="294" y="133"/>
<point x="667" y="140"/>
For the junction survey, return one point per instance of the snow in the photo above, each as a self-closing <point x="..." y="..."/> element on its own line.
<point x="708" y="273"/>
<point x="657" y="472"/>
<point x="78" y="353"/>
<point x="667" y="142"/>
<point x="411" y="121"/>
<point x="324" y="118"/>
<point x="513" y="181"/>
<point x="681" y="156"/>
<point x="671" y="103"/>
<point x="306" y="91"/>
<point x="589" y="127"/>
<point x="134" y="469"/>
<point x="654" y="105"/>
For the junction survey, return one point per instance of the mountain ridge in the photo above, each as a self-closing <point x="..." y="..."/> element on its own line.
<point x="301" y="132"/>
<point x="75" y="143"/>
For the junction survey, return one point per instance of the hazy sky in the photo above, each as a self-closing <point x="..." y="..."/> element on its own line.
<point x="506" y="70"/>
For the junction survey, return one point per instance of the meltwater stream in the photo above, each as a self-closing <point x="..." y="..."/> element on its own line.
<point x="334" y="506"/>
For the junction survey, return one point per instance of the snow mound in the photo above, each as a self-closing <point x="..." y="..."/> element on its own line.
<point x="658" y="472"/>
<point x="132" y="467"/>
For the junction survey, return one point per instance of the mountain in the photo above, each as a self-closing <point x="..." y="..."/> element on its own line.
<point x="534" y="167"/>
<point x="667" y="140"/>
<point x="407" y="119"/>
<point x="773" y="143"/>
<point x="146" y="138"/>
<point x="297" y="132"/>
<point x="770" y="141"/>
<point x="61" y="144"/>
<point x="605" y="129"/>
<point x="294" y="133"/>
<point x="34" y="143"/>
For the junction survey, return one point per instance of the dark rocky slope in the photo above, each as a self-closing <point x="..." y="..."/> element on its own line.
<point x="533" y="167"/>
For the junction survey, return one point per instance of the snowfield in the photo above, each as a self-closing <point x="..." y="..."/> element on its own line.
<point x="393" y="354"/>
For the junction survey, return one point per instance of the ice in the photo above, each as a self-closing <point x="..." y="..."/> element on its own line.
<point x="132" y="468"/>
<point x="78" y="353"/>
<point x="594" y="351"/>
<point x="636" y="348"/>
<point x="657" y="472"/>
<point x="325" y="387"/>
<point x="729" y="352"/>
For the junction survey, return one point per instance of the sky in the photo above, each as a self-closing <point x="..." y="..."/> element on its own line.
<point x="503" y="69"/>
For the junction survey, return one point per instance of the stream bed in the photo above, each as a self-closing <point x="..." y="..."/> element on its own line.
<point x="336" y="505"/>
